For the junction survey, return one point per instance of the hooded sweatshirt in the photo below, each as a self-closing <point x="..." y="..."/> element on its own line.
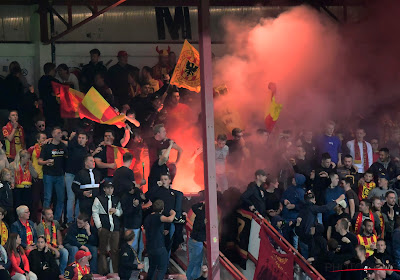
<point x="295" y="195"/>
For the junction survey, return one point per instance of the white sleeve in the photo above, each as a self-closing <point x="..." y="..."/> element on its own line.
<point x="95" y="212"/>
<point x="119" y="210"/>
<point x="370" y="154"/>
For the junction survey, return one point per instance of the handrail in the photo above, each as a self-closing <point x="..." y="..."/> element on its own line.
<point x="286" y="246"/>
<point x="223" y="260"/>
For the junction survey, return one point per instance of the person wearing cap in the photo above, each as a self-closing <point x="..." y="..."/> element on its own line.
<point x="308" y="219"/>
<point x="339" y="214"/>
<point x="106" y="215"/>
<point x="382" y="189"/>
<point x="368" y="238"/>
<point x="91" y="69"/>
<point x="79" y="268"/>
<point x="253" y="198"/>
<point x="118" y="77"/>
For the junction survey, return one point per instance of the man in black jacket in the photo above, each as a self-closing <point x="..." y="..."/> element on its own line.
<point x="320" y="178"/>
<point x="129" y="263"/>
<point x="90" y="70"/>
<point x="385" y="165"/>
<point x="253" y="197"/>
<point x="131" y="204"/>
<point x="86" y="185"/>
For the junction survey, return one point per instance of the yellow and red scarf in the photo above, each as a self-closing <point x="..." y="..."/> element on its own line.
<point x="81" y="271"/>
<point x="11" y="150"/>
<point x="359" y="221"/>
<point x="367" y="241"/>
<point x="29" y="235"/>
<point x="357" y="154"/>
<point x="51" y="239"/>
<point x="4" y="233"/>
<point x="363" y="190"/>
<point x="382" y="224"/>
<point x="38" y="149"/>
<point x="23" y="177"/>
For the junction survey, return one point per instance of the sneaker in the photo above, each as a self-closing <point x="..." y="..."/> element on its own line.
<point x="179" y="220"/>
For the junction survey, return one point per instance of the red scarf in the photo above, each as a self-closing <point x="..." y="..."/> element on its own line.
<point x="38" y="149"/>
<point x="359" y="221"/>
<point x="357" y="154"/>
<point x="382" y="224"/>
<point x="50" y="239"/>
<point x="367" y="241"/>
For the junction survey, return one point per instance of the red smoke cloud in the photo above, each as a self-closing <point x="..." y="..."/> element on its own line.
<point x="323" y="70"/>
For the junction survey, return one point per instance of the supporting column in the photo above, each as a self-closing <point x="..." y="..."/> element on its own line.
<point x="207" y="106"/>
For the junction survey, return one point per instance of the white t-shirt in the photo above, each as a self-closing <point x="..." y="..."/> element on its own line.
<point x="71" y="79"/>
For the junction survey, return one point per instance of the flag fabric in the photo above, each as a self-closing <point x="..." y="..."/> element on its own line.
<point x="271" y="264"/>
<point x="273" y="109"/>
<point x="187" y="69"/>
<point x="69" y="100"/>
<point x="94" y="107"/>
<point x="115" y="154"/>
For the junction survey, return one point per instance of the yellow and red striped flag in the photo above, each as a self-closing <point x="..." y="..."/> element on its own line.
<point x="69" y="100"/>
<point x="115" y="154"/>
<point x="273" y="109"/>
<point x="187" y="69"/>
<point x="94" y="107"/>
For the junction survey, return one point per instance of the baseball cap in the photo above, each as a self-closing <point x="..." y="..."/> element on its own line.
<point x="80" y="254"/>
<point x="122" y="53"/>
<point x="261" y="172"/>
<point x="384" y="176"/>
<point x="343" y="203"/>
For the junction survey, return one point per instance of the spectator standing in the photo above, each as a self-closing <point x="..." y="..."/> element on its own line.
<point x="197" y="237"/>
<point x="328" y="143"/>
<point x="86" y="185"/>
<point x="351" y="196"/>
<point x="23" y="173"/>
<point x="14" y="136"/>
<point x="66" y="77"/>
<point x="95" y="66"/>
<point x="221" y="153"/>
<point x="6" y="195"/>
<point x="106" y="212"/>
<point x="361" y="151"/>
<point x="51" y="107"/>
<point x="77" y="151"/>
<point x="52" y="158"/>
<point x="155" y="231"/>
<point x="254" y="198"/>
<point x="129" y="264"/>
<point x="118" y="76"/>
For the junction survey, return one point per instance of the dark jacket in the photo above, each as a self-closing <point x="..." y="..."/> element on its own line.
<point x="132" y="215"/>
<point x="389" y="168"/>
<point x="308" y="213"/>
<point x="78" y="236"/>
<point x="6" y="196"/>
<point x="88" y="73"/>
<point x="199" y="226"/>
<point x="128" y="261"/>
<point x="320" y="184"/>
<point x="83" y="178"/>
<point x="254" y="195"/>
<point x="329" y="261"/>
<point x="38" y="259"/>
<point x="19" y="228"/>
<point x="295" y="195"/>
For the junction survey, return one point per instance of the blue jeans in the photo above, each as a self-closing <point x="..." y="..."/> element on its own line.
<point x="168" y="244"/>
<point x="195" y="259"/>
<point x="158" y="263"/>
<point x="69" y="178"/>
<point x="137" y="244"/>
<point x="57" y="183"/>
<point x="63" y="260"/>
<point x="72" y="250"/>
